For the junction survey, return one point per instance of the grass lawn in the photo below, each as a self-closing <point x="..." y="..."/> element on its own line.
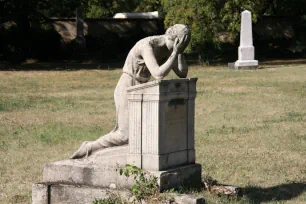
<point x="250" y="127"/>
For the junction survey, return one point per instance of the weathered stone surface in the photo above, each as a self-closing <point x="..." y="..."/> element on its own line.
<point x="78" y="173"/>
<point x="244" y="66"/>
<point x="246" y="50"/>
<point x="78" y="194"/>
<point x="156" y="119"/>
<point x="101" y="169"/>
<point x="82" y="194"/>
<point x="188" y="175"/>
<point x="161" y="124"/>
<point x="152" y="56"/>
<point x="246" y="36"/>
<point x="187" y="199"/>
<point x="161" y="128"/>
<point x="40" y="194"/>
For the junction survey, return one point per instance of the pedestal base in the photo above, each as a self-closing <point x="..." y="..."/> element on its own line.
<point x="47" y="193"/>
<point x="243" y="64"/>
<point x="102" y="170"/>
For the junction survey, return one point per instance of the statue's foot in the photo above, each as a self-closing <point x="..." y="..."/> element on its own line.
<point x="84" y="151"/>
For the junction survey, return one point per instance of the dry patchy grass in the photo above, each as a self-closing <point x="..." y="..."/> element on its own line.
<point x="250" y="127"/>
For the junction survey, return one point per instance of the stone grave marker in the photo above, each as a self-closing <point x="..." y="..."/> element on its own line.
<point x="246" y="50"/>
<point x="154" y="129"/>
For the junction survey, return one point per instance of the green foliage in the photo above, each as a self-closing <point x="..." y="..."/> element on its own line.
<point x="22" y="11"/>
<point x="208" y="18"/>
<point x="145" y="184"/>
<point x="149" y="6"/>
<point x="60" y="8"/>
<point x="106" y="9"/>
<point x="99" y="9"/>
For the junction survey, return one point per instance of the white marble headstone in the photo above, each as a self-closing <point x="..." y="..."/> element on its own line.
<point x="246" y="51"/>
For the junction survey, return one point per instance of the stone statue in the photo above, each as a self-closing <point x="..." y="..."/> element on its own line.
<point x="155" y="56"/>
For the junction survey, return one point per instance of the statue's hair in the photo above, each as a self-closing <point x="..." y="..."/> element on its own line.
<point x="177" y="30"/>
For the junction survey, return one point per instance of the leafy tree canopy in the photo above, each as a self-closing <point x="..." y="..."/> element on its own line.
<point x="207" y="18"/>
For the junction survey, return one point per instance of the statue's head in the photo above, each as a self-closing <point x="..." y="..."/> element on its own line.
<point x="177" y="31"/>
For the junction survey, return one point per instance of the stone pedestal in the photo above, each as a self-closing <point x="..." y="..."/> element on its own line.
<point x="246" y="50"/>
<point x="161" y="141"/>
<point x="161" y="125"/>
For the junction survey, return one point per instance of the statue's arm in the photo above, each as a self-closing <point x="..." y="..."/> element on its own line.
<point x="158" y="72"/>
<point x="180" y="67"/>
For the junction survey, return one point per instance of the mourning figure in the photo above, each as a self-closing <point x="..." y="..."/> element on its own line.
<point x="152" y="56"/>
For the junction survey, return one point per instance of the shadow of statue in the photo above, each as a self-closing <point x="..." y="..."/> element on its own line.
<point x="281" y="192"/>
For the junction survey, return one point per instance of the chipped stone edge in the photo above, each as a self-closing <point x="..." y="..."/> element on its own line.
<point x="42" y="193"/>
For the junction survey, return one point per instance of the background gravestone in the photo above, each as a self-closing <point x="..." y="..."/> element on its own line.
<point x="246" y="50"/>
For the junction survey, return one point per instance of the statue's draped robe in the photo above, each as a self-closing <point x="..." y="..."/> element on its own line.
<point x="135" y="72"/>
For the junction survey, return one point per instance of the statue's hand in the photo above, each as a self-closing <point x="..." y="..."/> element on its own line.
<point x="84" y="150"/>
<point x="180" y="44"/>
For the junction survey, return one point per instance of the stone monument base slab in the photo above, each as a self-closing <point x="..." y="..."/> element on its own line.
<point x="47" y="193"/>
<point x="243" y="64"/>
<point x="102" y="170"/>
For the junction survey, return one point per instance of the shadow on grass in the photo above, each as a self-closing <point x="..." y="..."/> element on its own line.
<point x="281" y="192"/>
